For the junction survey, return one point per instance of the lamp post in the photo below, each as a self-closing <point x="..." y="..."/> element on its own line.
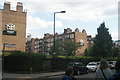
<point x="54" y="29"/>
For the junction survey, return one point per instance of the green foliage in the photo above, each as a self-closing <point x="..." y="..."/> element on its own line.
<point x="39" y="63"/>
<point x="25" y="61"/>
<point x="58" y="48"/>
<point x="90" y="51"/>
<point x="67" y="48"/>
<point x="115" y="51"/>
<point x="102" y="42"/>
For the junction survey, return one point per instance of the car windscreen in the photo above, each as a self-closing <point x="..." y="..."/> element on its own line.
<point x="91" y="64"/>
<point x="110" y="62"/>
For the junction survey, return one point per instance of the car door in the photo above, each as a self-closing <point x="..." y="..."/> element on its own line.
<point x="81" y="67"/>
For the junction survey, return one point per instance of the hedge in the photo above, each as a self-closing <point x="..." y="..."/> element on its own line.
<point x="29" y="62"/>
<point x="25" y="62"/>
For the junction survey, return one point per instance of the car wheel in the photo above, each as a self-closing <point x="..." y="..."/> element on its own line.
<point x="95" y="70"/>
<point x="87" y="71"/>
<point x="78" y="72"/>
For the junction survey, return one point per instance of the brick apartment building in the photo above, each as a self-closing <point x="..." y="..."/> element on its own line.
<point x="43" y="45"/>
<point x="12" y="28"/>
<point x="34" y="45"/>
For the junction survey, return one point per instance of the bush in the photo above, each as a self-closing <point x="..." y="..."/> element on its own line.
<point x="38" y="62"/>
<point x="26" y="61"/>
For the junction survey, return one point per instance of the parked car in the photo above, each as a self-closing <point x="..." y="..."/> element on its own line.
<point x="78" y="68"/>
<point x="112" y="64"/>
<point x="92" y="66"/>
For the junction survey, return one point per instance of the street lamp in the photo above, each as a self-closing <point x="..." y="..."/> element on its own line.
<point x="54" y="29"/>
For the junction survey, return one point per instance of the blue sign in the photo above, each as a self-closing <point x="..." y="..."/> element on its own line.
<point x="10" y="45"/>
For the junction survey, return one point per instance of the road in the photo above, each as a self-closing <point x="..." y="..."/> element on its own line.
<point x="47" y="76"/>
<point x="89" y="76"/>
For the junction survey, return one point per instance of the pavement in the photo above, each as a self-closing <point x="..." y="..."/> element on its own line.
<point x="17" y="76"/>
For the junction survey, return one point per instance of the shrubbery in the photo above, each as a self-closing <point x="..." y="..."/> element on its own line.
<point x="38" y="62"/>
<point x="26" y="61"/>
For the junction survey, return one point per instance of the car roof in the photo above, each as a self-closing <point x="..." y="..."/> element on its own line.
<point x="92" y="62"/>
<point x="75" y="63"/>
<point x="112" y="61"/>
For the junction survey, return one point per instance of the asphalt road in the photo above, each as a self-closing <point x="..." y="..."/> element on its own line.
<point x="90" y="76"/>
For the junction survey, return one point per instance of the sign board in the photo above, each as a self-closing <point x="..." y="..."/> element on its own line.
<point x="9" y="45"/>
<point x="10" y="29"/>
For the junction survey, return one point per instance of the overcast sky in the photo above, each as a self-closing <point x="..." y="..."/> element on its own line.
<point x="82" y="14"/>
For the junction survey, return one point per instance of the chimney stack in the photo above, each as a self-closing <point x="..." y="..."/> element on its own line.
<point x="76" y="30"/>
<point x="7" y="5"/>
<point x="19" y="7"/>
<point x="83" y="31"/>
<point x="68" y="30"/>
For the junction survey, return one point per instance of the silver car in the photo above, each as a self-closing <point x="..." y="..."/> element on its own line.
<point x="112" y="64"/>
<point x="92" y="66"/>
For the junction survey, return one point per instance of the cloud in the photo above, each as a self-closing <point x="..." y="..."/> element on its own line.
<point x="76" y="10"/>
<point x="114" y="35"/>
<point x="35" y="25"/>
<point x="111" y="12"/>
<point x="90" y="11"/>
<point x="70" y="0"/>
<point x="84" y="11"/>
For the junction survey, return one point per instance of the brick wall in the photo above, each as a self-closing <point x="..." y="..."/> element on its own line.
<point x="18" y="18"/>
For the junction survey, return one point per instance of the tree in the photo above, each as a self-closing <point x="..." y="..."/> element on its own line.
<point x="66" y="48"/>
<point x="58" y="48"/>
<point x="69" y="48"/>
<point x="90" y="51"/>
<point x="115" y="51"/>
<point x="102" y="42"/>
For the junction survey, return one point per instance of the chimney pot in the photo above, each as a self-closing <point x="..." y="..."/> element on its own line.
<point x="7" y="5"/>
<point x="19" y="7"/>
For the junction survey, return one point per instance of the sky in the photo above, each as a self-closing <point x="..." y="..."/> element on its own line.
<point x="82" y="14"/>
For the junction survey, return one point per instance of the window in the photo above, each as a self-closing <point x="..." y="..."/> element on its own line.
<point x="81" y="42"/>
<point x="60" y="38"/>
<point x="36" y="46"/>
<point x="68" y="36"/>
<point x="48" y="40"/>
<point x="72" y="36"/>
<point x="48" y="45"/>
<point x="51" y="39"/>
<point x="51" y="44"/>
